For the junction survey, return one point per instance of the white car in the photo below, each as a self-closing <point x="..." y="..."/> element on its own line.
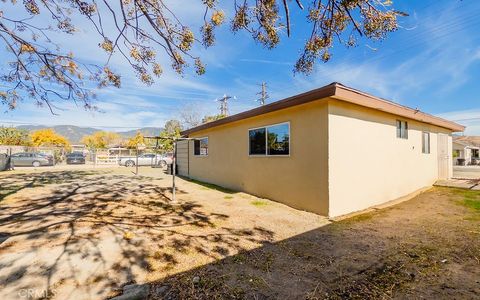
<point x="148" y="159"/>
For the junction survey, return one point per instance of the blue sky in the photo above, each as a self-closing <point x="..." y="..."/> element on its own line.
<point x="432" y="63"/>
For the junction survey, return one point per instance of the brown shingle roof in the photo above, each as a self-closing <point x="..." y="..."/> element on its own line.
<point x="340" y="92"/>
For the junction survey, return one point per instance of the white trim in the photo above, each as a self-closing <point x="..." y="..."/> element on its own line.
<point x="266" y="141"/>
<point x="201" y="155"/>
<point x="429" y="142"/>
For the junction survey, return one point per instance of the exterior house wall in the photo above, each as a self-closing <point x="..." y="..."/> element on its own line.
<point x="343" y="158"/>
<point x="369" y="165"/>
<point x="298" y="180"/>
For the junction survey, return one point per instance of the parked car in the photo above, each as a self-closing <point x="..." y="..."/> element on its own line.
<point x="75" y="158"/>
<point x="27" y="159"/>
<point x="148" y="159"/>
<point x="167" y="159"/>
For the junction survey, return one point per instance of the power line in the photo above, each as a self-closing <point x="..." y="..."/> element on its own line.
<point x="467" y="119"/>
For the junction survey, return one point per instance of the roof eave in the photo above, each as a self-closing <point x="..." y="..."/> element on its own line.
<point x="340" y="92"/>
<point x="363" y="99"/>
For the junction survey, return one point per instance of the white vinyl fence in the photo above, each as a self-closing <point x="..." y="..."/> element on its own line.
<point x="102" y="159"/>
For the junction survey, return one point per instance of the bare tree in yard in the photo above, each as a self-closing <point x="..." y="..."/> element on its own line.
<point x="146" y="30"/>
<point x="190" y="115"/>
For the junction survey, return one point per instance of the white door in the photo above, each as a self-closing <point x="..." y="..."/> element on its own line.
<point x="443" y="155"/>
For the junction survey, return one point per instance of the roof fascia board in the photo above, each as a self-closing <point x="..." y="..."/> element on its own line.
<point x="356" y="97"/>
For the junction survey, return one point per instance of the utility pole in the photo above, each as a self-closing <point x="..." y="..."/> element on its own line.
<point x="224" y="104"/>
<point x="263" y="94"/>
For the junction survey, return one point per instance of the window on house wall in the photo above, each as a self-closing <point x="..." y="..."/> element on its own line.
<point x="257" y="141"/>
<point x="425" y="142"/>
<point x="402" y="129"/>
<point x="270" y="140"/>
<point x="200" y="146"/>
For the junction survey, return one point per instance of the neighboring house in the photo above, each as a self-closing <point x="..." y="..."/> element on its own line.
<point x="465" y="153"/>
<point x="78" y="147"/>
<point x="118" y="150"/>
<point x="5" y="149"/>
<point x="332" y="151"/>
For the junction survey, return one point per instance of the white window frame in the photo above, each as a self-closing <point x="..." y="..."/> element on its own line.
<point x="406" y="129"/>
<point x="423" y="142"/>
<point x="208" y="144"/>
<point x="266" y="141"/>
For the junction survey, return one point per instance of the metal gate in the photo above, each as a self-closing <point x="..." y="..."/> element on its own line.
<point x="443" y="155"/>
<point x="183" y="163"/>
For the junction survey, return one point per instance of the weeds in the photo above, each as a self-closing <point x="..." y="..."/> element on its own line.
<point x="128" y="235"/>
<point x="472" y="204"/>
<point x="259" y="203"/>
<point x="471" y="199"/>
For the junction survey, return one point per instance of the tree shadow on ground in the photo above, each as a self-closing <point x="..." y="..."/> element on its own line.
<point x="93" y="231"/>
<point x="423" y="248"/>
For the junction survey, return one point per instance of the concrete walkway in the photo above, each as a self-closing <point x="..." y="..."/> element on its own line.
<point x="462" y="183"/>
<point x="464" y="177"/>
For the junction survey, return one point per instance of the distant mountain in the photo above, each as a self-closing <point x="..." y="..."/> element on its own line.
<point x="145" y="131"/>
<point x="74" y="133"/>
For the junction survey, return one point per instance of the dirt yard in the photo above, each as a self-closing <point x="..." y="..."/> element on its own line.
<point x="83" y="234"/>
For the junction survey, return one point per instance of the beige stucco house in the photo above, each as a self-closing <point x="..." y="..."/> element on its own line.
<point x="333" y="151"/>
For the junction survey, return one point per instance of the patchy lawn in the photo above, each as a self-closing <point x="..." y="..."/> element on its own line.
<point x="83" y="234"/>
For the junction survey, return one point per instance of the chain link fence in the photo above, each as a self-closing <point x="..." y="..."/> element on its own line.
<point x="108" y="156"/>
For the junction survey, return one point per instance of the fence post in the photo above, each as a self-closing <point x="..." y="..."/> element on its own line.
<point x="136" y="163"/>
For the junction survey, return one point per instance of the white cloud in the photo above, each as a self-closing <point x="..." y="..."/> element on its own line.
<point x="469" y="118"/>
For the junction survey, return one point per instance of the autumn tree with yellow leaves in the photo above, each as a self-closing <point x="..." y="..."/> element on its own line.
<point x="49" y="138"/>
<point x="101" y="139"/>
<point x="14" y="136"/>
<point x="137" y="139"/>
